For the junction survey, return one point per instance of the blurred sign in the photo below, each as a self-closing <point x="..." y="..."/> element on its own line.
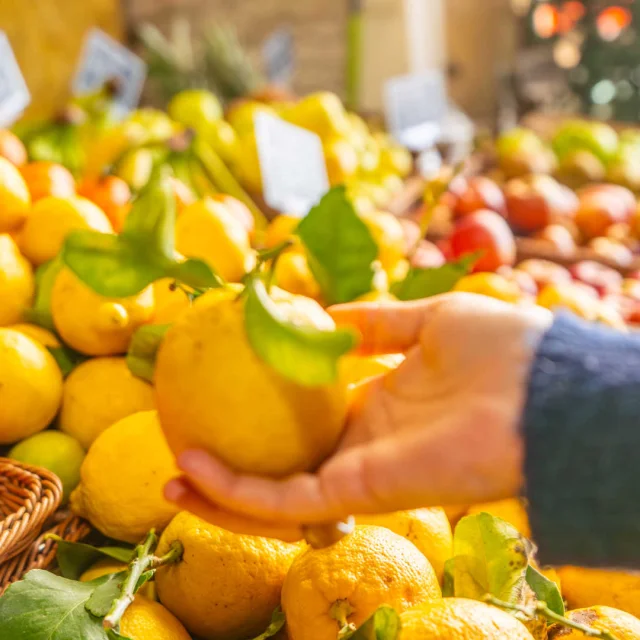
<point x="415" y="106"/>
<point x="294" y="172"/>
<point x="278" y="56"/>
<point x="14" y="94"/>
<point x="104" y="59"/>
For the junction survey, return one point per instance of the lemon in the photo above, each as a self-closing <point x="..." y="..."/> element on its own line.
<point x="59" y="453"/>
<point x="94" y="325"/>
<point x="321" y="112"/>
<point x="621" y="625"/>
<point x="122" y="479"/>
<point x="388" y="233"/>
<point x="170" y="301"/>
<point x="341" y="159"/>
<point x="45" y="337"/>
<point x="355" y="369"/>
<point x="195" y="108"/>
<point x="17" y="284"/>
<point x="428" y="529"/>
<point x="30" y="386"/>
<point x="107" y="566"/>
<point x="208" y="377"/>
<point x="292" y="273"/>
<point x="241" y="115"/>
<point x="224" y="140"/>
<point x="351" y="579"/>
<point x="280" y="229"/>
<point x="208" y="230"/>
<point x="511" y="510"/>
<point x="51" y="219"/>
<point x="490" y="284"/>
<point x="145" y="619"/>
<point x="99" y="393"/>
<point x="226" y="585"/>
<point x="247" y="163"/>
<point x="14" y="197"/>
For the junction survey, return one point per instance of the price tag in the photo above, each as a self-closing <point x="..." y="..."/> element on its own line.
<point x="104" y="59"/>
<point x="277" y="54"/>
<point x="14" y="94"/>
<point x="415" y="106"/>
<point x="294" y="173"/>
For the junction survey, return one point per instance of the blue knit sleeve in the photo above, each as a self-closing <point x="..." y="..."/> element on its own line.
<point x="582" y="434"/>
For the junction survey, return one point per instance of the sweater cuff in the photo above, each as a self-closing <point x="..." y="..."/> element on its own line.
<point x="582" y="437"/>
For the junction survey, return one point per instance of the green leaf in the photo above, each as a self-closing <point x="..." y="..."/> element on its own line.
<point x="448" y="584"/>
<point x="490" y="558"/>
<point x="340" y="248"/>
<point x="112" y="634"/>
<point x="143" y="348"/>
<point x="299" y="352"/>
<point x="74" y="558"/>
<point x="67" y="358"/>
<point x="104" y="594"/>
<point x="384" y="624"/>
<point x="545" y="590"/>
<point x="277" y="623"/>
<point x="40" y="312"/>
<point x="424" y="283"/>
<point x="43" y="606"/>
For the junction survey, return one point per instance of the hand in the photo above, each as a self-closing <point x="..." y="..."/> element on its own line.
<point x="442" y="429"/>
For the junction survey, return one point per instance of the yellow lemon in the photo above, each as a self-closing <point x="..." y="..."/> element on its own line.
<point x="460" y="619"/>
<point x="225" y="585"/>
<point x="92" y="324"/>
<point x="280" y="229"/>
<point x="14" y="197"/>
<point x="247" y="163"/>
<point x="348" y="581"/>
<point x="356" y="369"/>
<point x="145" y="619"/>
<point x="377" y="296"/>
<point x="107" y="566"/>
<point x="428" y="529"/>
<point x="198" y="399"/>
<point x="208" y="230"/>
<point x="241" y="115"/>
<point x="122" y="479"/>
<point x="388" y="233"/>
<point x="17" y="283"/>
<point x="292" y="273"/>
<point x="341" y="159"/>
<point x="512" y="511"/>
<point x="99" y="393"/>
<point x="170" y="301"/>
<point x="30" y="386"/>
<point x="621" y="625"/>
<point x="321" y="112"/>
<point x="569" y="296"/>
<point x="51" y="219"/>
<point x="490" y="284"/>
<point x="45" y="337"/>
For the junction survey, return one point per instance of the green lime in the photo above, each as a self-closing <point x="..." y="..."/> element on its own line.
<point x="195" y="108"/>
<point x="56" y="451"/>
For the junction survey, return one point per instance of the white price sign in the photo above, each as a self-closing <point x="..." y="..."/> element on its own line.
<point x="278" y="56"/>
<point x="104" y="59"/>
<point x="14" y="94"/>
<point x="294" y="172"/>
<point x="416" y="105"/>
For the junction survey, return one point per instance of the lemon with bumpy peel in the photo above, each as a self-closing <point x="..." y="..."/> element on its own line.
<point x="92" y="324"/>
<point x="621" y="625"/>
<point x="205" y="372"/>
<point x="17" y="283"/>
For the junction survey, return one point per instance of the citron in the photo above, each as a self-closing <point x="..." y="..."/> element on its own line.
<point x="428" y="529"/>
<point x="206" y="371"/>
<point x="170" y="301"/>
<point x="17" y="284"/>
<point x="99" y="393"/>
<point x="14" y="197"/>
<point x="52" y="218"/>
<point x="92" y="324"/>
<point x="584" y="587"/>
<point x="122" y="479"/>
<point x="208" y="230"/>
<point x="347" y="582"/>
<point x="55" y="451"/>
<point x="45" y="337"/>
<point x="145" y="619"/>
<point x="225" y="585"/>
<point x="460" y="619"/>
<point x="30" y="386"/>
<point x="621" y="625"/>
<point x="511" y="510"/>
<point x="292" y="273"/>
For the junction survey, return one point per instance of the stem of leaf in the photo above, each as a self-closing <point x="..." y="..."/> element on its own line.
<point x="542" y="609"/>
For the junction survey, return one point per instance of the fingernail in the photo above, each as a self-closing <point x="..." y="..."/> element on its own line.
<point x="174" y="490"/>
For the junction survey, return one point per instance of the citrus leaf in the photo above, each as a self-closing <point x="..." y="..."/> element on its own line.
<point x="104" y="594"/>
<point x="277" y="623"/>
<point x="112" y="634"/>
<point x="301" y="353"/>
<point x="195" y="273"/>
<point x="448" y="586"/>
<point x="74" y="558"/>
<point x="143" y="348"/>
<point x="40" y="312"/>
<point x="384" y="624"/>
<point x="545" y="590"/>
<point x="490" y="558"/>
<point x="340" y="248"/>
<point x="43" y="606"/>
<point x="67" y="358"/>
<point x="423" y="283"/>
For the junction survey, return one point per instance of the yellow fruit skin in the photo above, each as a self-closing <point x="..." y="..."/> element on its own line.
<point x="365" y="570"/>
<point x="622" y="625"/>
<point x="30" y="387"/>
<point x="14" y="197"/>
<point x="490" y="284"/>
<point x="122" y="479"/>
<point x="107" y="566"/>
<point x="99" y="393"/>
<point x="428" y="529"/>
<point x="226" y="585"/>
<point x="94" y="325"/>
<point x="51" y="219"/>
<point x="208" y="378"/>
<point x="280" y="229"/>
<point x="584" y="587"/>
<point x="292" y="273"/>
<point x="17" y="283"/>
<point x="45" y="337"/>
<point x="356" y="369"/>
<point x="321" y="112"/>
<point x="169" y="302"/>
<point x="145" y="619"/>
<point x="460" y="619"/>
<point x="207" y="230"/>
<point x="512" y="511"/>
<point x="388" y="233"/>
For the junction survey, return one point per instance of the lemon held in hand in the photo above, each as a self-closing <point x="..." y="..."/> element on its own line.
<point x="214" y="393"/>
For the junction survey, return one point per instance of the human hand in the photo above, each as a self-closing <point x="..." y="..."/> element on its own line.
<point x="442" y="429"/>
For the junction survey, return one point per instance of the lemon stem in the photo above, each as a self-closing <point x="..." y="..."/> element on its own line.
<point x="340" y="612"/>
<point x="542" y="609"/>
